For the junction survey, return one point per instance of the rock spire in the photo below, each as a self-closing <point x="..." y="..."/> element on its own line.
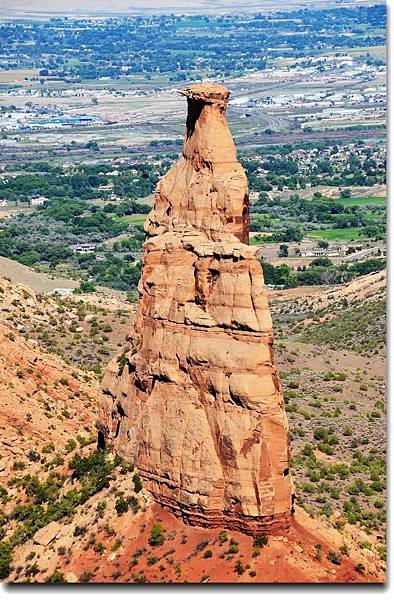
<point x="195" y="399"/>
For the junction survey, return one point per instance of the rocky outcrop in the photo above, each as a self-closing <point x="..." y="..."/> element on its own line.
<point x="195" y="399"/>
<point x="206" y="190"/>
<point x="46" y="535"/>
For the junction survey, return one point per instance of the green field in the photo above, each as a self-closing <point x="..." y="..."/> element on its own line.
<point x="351" y="233"/>
<point x="256" y="241"/>
<point x="363" y="201"/>
<point x="137" y="219"/>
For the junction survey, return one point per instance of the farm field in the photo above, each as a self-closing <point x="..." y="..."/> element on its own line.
<point x="349" y="234"/>
<point x="363" y="201"/>
<point x="133" y="219"/>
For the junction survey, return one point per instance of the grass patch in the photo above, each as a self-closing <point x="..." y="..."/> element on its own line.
<point x="363" y="201"/>
<point x="137" y="219"/>
<point x="351" y="233"/>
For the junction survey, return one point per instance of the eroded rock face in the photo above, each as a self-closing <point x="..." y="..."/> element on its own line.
<point x="206" y="188"/>
<point x="195" y="400"/>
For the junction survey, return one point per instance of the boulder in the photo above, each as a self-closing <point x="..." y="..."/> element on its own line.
<point x="47" y="534"/>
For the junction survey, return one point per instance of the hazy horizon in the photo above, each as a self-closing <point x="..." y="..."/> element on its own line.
<point x="42" y="9"/>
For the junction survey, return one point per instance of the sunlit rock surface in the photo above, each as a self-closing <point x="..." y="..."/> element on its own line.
<point x="195" y="399"/>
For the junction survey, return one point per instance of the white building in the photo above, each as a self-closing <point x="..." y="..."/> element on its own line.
<point x="38" y="201"/>
<point x="84" y="248"/>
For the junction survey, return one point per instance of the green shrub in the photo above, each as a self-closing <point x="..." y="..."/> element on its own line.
<point x="308" y="450"/>
<point x="305" y="413"/>
<point x="56" y="577"/>
<point x="327" y="510"/>
<point x="344" y="550"/>
<point x="233" y="547"/>
<point x="116" y="545"/>
<point x="94" y="471"/>
<point x="137" y="483"/>
<point x="334" y="557"/>
<point x="121" y="506"/>
<point x="325" y="448"/>
<point x="319" y="552"/>
<point x="239" y="568"/>
<point x="260" y="540"/>
<point x="5" y="559"/>
<point x="157" y="537"/>
<point x="223" y="537"/>
<point x="79" y="531"/>
<point x="86" y="441"/>
<point x="48" y="448"/>
<point x="18" y="465"/>
<point x="293" y="385"/>
<point x="33" y="456"/>
<point x="70" y="445"/>
<point x="32" y="570"/>
<point x="321" y="433"/>
<point x="99" y="548"/>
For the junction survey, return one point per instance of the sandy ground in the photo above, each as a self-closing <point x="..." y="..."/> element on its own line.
<point x="39" y="282"/>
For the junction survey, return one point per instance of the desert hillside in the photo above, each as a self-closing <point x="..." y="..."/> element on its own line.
<point x="82" y="329"/>
<point x="72" y="513"/>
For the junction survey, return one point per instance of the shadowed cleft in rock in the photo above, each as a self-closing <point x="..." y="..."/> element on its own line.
<point x="202" y="413"/>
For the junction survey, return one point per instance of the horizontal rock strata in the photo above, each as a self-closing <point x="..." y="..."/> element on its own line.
<point x="195" y="399"/>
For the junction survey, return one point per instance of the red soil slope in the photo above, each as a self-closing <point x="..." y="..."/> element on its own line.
<point x="41" y="401"/>
<point x="290" y="558"/>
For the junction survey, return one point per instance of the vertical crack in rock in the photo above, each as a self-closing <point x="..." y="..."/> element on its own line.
<point x="202" y="412"/>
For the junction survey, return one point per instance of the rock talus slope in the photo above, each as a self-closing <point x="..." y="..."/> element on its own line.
<point x="195" y="399"/>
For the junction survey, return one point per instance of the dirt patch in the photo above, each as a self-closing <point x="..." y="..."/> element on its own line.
<point x="41" y="283"/>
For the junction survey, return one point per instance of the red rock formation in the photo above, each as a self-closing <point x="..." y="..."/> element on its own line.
<point x="195" y="399"/>
<point x="206" y="188"/>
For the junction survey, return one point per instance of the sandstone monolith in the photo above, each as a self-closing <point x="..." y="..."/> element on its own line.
<point x="195" y="399"/>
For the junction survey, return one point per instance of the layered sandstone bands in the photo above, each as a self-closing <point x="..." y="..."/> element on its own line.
<point x="195" y="400"/>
